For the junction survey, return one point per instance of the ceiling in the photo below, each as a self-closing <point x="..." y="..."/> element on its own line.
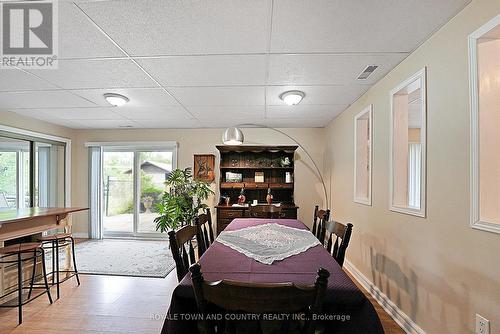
<point x="193" y="64"/>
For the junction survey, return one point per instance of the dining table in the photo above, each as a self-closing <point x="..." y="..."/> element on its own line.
<point x="345" y="310"/>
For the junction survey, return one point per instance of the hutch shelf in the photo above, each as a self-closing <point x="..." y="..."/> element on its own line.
<point x="256" y="170"/>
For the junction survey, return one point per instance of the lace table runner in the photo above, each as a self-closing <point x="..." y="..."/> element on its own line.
<point x="270" y="242"/>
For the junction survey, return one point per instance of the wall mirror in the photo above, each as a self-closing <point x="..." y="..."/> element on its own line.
<point x="407" y="146"/>
<point x="484" y="51"/>
<point x="363" y="156"/>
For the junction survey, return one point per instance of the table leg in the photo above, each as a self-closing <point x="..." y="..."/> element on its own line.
<point x="68" y="263"/>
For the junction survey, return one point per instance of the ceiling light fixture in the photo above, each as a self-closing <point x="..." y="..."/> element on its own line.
<point x="233" y="136"/>
<point x="292" y="97"/>
<point x="116" y="100"/>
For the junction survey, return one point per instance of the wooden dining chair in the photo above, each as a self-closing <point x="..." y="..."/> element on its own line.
<point x="258" y="298"/>
<point x="336" y="230"/>
<point x="320" y="218"/>
<point x="204" y="223"/>
<point x="184" y="252"/>
<point x="266" y="211"/>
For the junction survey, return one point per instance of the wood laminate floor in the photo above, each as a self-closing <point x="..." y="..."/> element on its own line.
<point x="111" y="304"/>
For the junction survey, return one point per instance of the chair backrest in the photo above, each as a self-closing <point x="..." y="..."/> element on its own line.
<point x="319" y="220"/>
<point x="336" y="230"/>
<point x="204" y="223"/>
<point x="183" y="250"/>
<point x="265" y="211"/>
<point x="259" y="298"/>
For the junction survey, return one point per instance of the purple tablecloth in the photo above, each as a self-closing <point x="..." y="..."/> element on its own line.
<point x="343" y="299"/>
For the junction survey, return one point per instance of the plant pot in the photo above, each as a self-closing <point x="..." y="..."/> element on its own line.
<point x="147" y="206"/>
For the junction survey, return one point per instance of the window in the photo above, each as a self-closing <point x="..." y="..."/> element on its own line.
<point x="407" y="146"/>
<point x="484" y="51"/>
<point x="14" y="173"/>
<point x="127" y="181"/>
<point x="363" y="157"/>
<point x="32" y="169"/>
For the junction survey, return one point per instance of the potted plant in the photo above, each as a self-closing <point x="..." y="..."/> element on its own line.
<point x="182" y="200"/>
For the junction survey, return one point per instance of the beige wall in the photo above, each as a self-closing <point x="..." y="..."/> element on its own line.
<point x="308" y="189"/>
<point x="26" y="123"/>
<point x="438" y="270"/>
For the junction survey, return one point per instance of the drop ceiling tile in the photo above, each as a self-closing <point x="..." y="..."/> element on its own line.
<point x="226" y="112"/>
<point x="79" y="38"/>
<point x="207" y="70"/>
<point x="66" y="123"/>
<point x="168" y="124"/>
<point x="326" y="112"/>
<point x="158" y="27"/>
<point x="104" y="124"/>
<point x="138" y="97"/>
<point x="230" y="121"/>
<point x="219" y="96"/>
<point x="96" y="73"/>
<point x="328" y="69"/>
<point x="151" y="113"/>
<point x="296" y="123"/>
<point x="318" y="94"/>
<point x="98" y="113"/>
<point x="17" y="80"/>
<point x="357" y="26"/>
<point x="41" y="99"/>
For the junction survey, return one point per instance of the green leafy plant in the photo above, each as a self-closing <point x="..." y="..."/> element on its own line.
<point x="182" y="202"/>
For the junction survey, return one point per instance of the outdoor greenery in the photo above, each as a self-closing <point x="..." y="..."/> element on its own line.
<point x="182" y="202"/>
<point x="118" y="182"/>
<point x="8" y="173"/>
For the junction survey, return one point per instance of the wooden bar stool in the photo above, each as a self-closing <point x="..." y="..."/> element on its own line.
<point x="18" y="254"/>
<point x="55" y="242"/>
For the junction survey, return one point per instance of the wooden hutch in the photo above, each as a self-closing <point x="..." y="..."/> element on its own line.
<point x="272" y="165"/>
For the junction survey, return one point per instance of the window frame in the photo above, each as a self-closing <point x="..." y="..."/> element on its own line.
<point x="367" y="110"/>
<point x="475" y="218"/>
<point x="422" y="212"/>
<point x="34" y="136"/>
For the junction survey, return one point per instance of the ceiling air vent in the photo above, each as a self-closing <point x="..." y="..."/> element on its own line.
<point x="367" y="72"/>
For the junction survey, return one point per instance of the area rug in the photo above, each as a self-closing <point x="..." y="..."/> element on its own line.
<point x="142" y="258"/>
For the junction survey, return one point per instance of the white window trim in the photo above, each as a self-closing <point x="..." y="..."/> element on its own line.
<point x="369" y="110"/>
<point x="67" y="141"/>
<point x="423" y="182"/>
<point x="475" y="220"/>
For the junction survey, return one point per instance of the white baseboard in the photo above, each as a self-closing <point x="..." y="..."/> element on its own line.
<point x="392" y="309"/>
<point x="83" y="235"/>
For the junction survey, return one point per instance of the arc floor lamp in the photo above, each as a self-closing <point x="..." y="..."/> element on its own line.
<point x="234" y="136"/>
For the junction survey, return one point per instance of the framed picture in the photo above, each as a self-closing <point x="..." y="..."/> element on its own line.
<point x="204" y="165"/>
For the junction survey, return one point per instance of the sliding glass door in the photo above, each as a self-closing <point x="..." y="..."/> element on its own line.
<point x="154" y="167"/>
<point x="118" y="196"/>
<point x="49" y="174"/>
<point x="14" y="173"/>
<point x="133" y="182"/>
<point x="32" y="172"/>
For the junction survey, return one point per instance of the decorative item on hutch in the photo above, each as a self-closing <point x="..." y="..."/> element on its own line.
<point x="269" y="197"/>
<point x="242" y="198"/>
